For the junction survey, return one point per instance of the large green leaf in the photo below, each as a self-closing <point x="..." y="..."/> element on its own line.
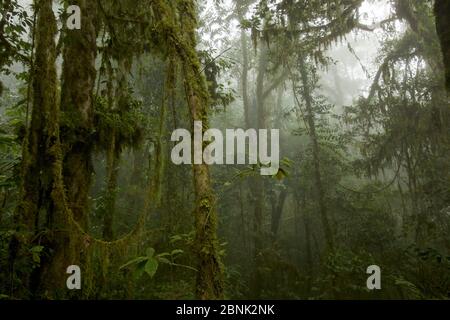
<point x="151" y="266"/>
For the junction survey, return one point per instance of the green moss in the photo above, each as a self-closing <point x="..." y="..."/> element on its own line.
<point x="173" y="35"/>
<point x="126" y="123"/>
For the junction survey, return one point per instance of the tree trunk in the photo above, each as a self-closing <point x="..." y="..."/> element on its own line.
<point x="41" y="210"/>
<point x="77" y="128"/>
<point x="256" y="183"/>
<point x="210" y="273"/>
<point x="300" y="207"/>
<point x="320" y="194"/>
<point x="277" y="210"/>
<point x="245" y="69"/>
<point x="78" y="81"/>
<point x="112" y="170"/>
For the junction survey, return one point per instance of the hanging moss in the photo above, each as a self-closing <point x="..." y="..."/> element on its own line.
<point x="126" y="123"/>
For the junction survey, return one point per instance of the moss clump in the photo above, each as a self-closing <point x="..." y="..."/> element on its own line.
<point x="126" y="123"/>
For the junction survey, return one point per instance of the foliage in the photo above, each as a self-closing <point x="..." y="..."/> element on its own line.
<point x="363" y="179"/>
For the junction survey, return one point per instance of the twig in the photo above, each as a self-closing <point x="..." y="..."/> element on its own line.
<point x="215" y="58"/>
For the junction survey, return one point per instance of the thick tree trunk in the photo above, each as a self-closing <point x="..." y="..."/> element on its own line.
<point x="209" y="275"/>
<point x="78" y="81"/>
<point x="77" y="128"/>
<point x="42" y="205"/>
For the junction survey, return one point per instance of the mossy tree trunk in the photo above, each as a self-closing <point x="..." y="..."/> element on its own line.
<point x="210" y="273"/>
<point x="78" y="81"/>
<point x="77" y="127"/>
<point x="41" y="210"/>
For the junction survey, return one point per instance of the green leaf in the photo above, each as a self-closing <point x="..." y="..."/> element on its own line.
<point x="37" y="249"/>
<point x="164" y="254"/>
<point x="36" y="253"/>
<point x="164" y="260"/>
<point x="281" y="174"/>
<point x="151" y="266"/>
<point x="139" y="271"/>
<point x="176" y="238"/>
<point x="134" y="261"/>
<point x="176" y="251"/>
<point x="150" y="252"/>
